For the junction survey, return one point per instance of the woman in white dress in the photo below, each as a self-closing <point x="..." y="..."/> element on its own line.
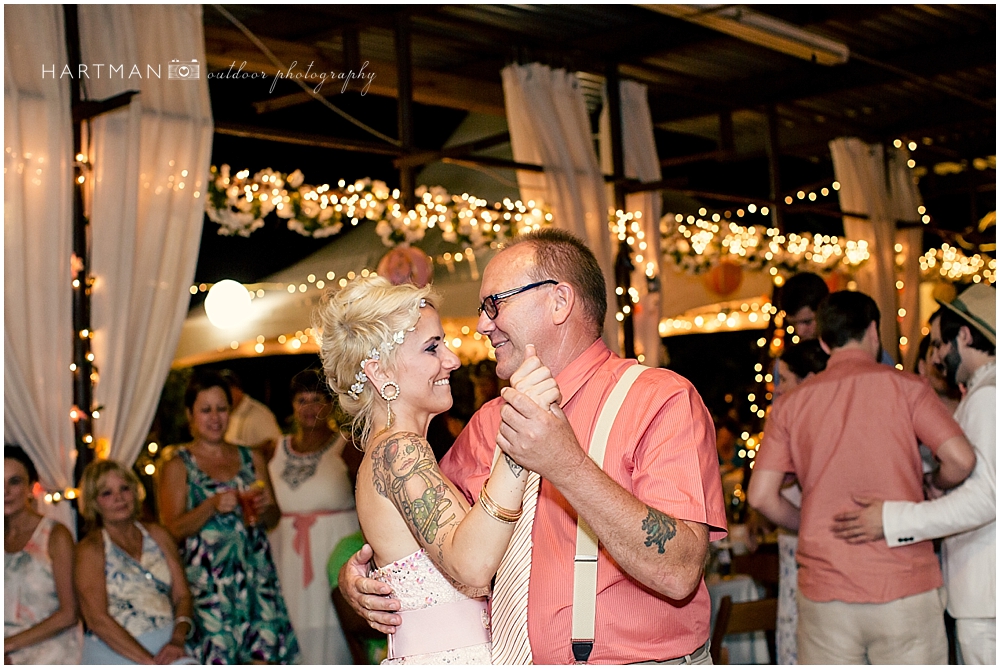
<point x="39" y="613"/>
<point x="316" y="498"/>
<point x="385" y="356"/>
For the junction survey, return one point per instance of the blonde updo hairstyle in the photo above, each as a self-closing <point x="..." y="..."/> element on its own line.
<point x="363" y="315"/>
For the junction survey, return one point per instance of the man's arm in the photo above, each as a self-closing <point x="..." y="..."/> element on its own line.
<point x="663" y="553"/>
<point x="765" y="495"/>
<point x="370" y="599"/>
<point x="957" y="458"/>
<point x="967" y="507"/>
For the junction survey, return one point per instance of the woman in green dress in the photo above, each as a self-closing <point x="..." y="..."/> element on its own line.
<point x="215" y="498"/>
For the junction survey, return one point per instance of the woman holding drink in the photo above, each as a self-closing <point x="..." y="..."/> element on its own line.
<point x="216" y="499"/>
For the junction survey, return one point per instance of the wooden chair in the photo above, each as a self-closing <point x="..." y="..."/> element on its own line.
<point x="356" y="628"/>
<point x="759" y="616"/>
<point x="762" y="566"/>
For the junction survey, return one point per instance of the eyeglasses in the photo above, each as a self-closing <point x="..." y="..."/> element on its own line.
<point x="491" y="304"/>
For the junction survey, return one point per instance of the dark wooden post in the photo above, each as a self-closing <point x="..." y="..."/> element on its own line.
<point x="623" y="260"/>
<point x="773" y="171"/>
<point x="404" y="68"/>
<point x="83" y="367"/>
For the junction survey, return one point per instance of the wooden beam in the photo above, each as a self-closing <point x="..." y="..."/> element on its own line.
<point x="457" y="151"/>
<point x="226" y="46"/>
<point x="303" y="139"/>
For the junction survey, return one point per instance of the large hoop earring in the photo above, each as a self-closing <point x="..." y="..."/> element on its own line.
<point x="388" y="400"/>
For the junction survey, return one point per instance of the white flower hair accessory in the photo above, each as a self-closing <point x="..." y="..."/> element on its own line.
<point x="374" y="356"/>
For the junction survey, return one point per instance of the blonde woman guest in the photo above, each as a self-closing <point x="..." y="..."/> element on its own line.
<point x="316" y="497"/>
<point x="130" y="583"/>
<point x="384" y="354"/>
<point x="240" y="615"/>
<point x="40" y="623"/>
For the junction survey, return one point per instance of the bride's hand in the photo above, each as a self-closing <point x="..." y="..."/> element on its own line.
<point x="535" y="380"/>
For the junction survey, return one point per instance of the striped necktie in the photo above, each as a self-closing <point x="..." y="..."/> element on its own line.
<point x="509" y="613"/>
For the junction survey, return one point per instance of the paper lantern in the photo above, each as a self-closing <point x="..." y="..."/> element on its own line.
<point x="725" y="278"/>
<point x="227" y="304"/>
<point x="406" y="264"/>
<point x="837" y="281"/>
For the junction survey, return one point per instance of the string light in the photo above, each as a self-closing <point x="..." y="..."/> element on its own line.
<point x="952" y="264"/>
<point x="239" y="204"/>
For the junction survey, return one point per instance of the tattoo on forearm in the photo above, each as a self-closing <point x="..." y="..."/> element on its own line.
<point x="660" y="528"/>
<point x="514" y="467"/>
<point x="405" y="473"/>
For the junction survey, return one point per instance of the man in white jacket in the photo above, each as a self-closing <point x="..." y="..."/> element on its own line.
<point x="963" y="335"/>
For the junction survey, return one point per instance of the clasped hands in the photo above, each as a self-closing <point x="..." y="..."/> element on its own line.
<point x="534" y="431"/>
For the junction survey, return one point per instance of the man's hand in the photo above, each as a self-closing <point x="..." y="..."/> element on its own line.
<point x="370" y="599"/>
<point x="538" y="439"/>
<point x="535" y="380"/>
<point x="862" y="525"/>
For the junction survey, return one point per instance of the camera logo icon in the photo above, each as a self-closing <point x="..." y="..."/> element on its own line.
<point x="183" y="69"/>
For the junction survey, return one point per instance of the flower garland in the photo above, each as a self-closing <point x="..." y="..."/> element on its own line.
<point x="239" y="204"/>
<point x="695" y="245"/>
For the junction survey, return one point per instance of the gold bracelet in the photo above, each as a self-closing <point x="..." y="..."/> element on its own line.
<point x="492" y="508"/>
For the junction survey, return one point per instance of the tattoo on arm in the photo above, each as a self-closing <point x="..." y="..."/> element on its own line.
<point x="514" y="467"/>
<point x="660" y="528"/>
<point x="406" y="473"/>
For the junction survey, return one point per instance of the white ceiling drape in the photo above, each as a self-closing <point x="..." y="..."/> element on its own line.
<point x="877" y="182"/>
<point x="549" y="126"/>
<point x="642" y="163"/>
<point x="38" y="192"/>
<point x="151" y="163"/>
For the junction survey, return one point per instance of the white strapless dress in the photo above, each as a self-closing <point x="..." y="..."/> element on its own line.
<point x="418" y="584"/>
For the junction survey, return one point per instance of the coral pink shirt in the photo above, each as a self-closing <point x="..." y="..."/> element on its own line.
<point x="662" y="450"/>
<point x="853" y="429"/>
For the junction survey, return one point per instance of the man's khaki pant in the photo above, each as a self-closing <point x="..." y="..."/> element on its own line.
<point x="909" y="630"/>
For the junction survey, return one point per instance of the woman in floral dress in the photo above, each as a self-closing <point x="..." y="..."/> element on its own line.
<point x="39" y="622"/>
<point x="240" y="615"/>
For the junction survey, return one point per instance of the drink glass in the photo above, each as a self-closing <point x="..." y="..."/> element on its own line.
<point x="248" y="501"/>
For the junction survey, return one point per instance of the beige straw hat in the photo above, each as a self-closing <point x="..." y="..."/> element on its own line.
<point x="977" y="305"/>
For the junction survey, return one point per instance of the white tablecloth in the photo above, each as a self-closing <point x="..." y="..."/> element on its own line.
<point x="748" y="648"/>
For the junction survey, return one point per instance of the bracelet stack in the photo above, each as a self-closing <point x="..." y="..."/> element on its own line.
<point x="495" y="510"/>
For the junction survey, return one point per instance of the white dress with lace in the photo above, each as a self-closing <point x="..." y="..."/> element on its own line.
<point x="418" y="584"/>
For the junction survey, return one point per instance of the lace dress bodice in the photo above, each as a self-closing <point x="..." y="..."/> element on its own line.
<point x="418" y="584"/>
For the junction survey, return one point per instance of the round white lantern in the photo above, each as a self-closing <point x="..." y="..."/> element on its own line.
<point x="227" y="304"/>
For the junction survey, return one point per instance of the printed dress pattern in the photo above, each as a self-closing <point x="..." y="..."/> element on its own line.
<point x="239" y="611"/>
<point x="30" y="597"/>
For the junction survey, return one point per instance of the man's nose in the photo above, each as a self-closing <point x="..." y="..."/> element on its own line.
<point x="485" y="324"/>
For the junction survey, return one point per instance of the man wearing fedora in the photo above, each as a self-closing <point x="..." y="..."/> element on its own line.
<point x="963" y="337"/>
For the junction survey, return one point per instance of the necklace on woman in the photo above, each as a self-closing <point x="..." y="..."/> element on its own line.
<point x="300" y="467"/>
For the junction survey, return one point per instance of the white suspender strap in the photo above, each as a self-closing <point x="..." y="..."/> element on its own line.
<point x="585" y="564"/>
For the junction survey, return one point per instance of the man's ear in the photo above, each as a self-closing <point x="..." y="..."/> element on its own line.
<point x="564" y="298"/>
<point x="822" y="345"/>
<point x="964" y="336"/>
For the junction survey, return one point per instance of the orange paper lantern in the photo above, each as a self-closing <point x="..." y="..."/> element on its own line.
<point x="725" y="278"/>
<point x="837" y="281"/>
<point x="406" y="264"/>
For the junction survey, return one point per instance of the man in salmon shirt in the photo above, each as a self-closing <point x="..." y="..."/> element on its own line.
<point x="654" y="506"/>
<point x="853" y="430"/>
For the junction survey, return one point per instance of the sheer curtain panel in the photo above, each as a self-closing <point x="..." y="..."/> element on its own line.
<point x="151" y="163"/>
<point x="642" y="163"/>
<point x="38" y="214"/>
<point x="549" y="126"/>
<point x="860" y="169"/>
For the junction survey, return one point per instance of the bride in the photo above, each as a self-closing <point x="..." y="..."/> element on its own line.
<point x="385" y="356"/>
